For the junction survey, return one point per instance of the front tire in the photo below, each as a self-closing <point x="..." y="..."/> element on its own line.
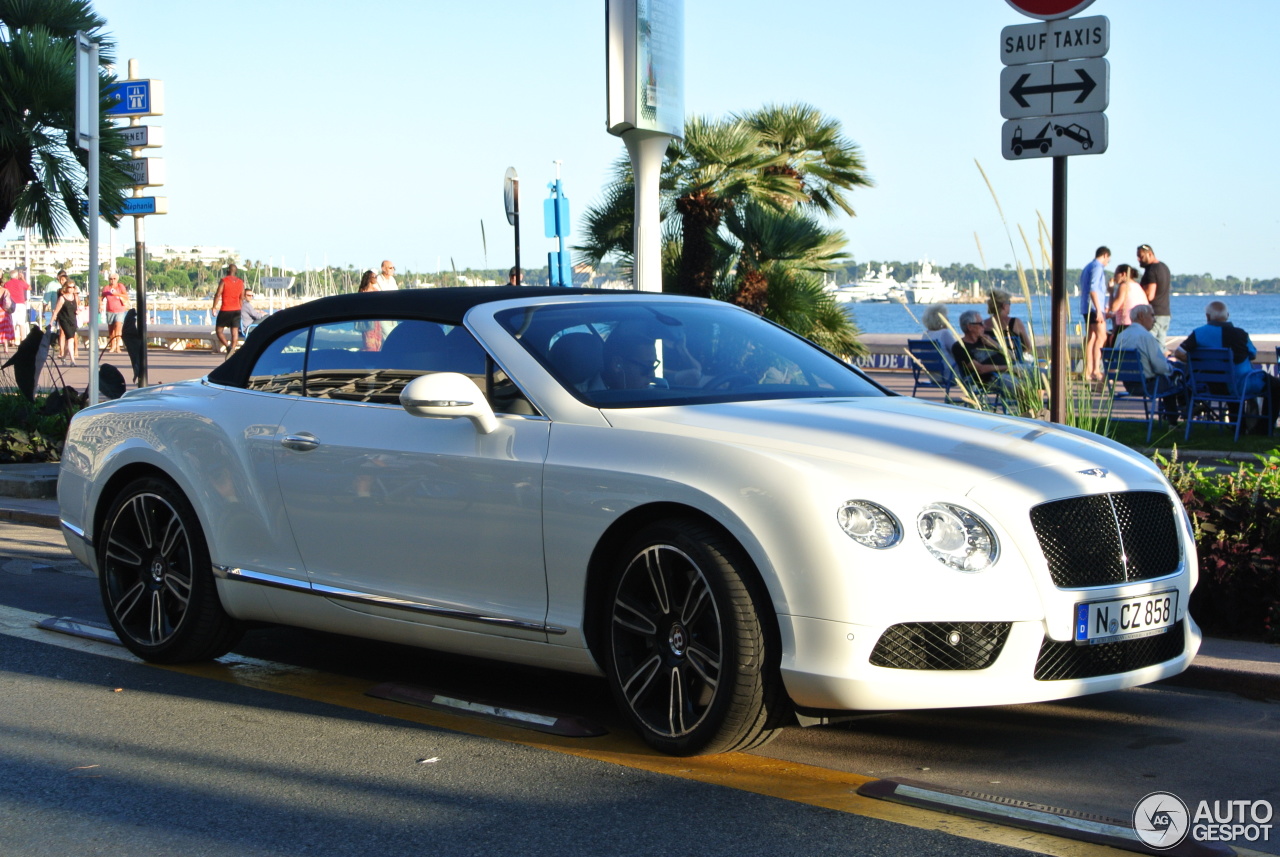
<point x="689" y="659"/>
<point x="156" y="578"/>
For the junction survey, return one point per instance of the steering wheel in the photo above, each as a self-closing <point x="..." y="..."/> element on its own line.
<point x="728" y="380"/>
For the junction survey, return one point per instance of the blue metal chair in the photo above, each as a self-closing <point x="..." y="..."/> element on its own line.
<point x="930" y="368"/>
<point x="1123" y="366"/>
<point x="1217" y="395"/>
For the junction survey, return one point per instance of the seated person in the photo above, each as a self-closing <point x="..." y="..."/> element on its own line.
<point x="938" y="330"/>
<point x="681" y="368"/>
<point x="1161" y="374"/>
<point x="630" y="360"/>
<point x="1219" y="332"/>
<point x="1010" y="332"/>
<point x="978" y="357"/>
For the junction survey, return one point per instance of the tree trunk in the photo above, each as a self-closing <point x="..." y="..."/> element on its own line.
<point x="700" y="218"/>
<point x="753" y="291"/>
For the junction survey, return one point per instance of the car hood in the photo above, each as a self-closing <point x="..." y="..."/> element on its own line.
<point x="900" y="437"/>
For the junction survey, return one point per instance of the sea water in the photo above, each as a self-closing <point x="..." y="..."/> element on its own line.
<point x="1257" y="314"/>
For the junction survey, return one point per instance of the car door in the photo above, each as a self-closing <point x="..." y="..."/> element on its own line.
<point x="419" y="519"/>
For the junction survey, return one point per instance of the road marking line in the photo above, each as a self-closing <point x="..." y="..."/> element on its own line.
<point x="792" y="781"/>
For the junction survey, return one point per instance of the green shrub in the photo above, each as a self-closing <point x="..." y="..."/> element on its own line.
<point x="1235" y="516"/>
<point x="27" y="434"/>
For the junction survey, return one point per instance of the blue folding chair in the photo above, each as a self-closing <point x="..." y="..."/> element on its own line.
<point x="1217" y="395"/>
<point x="930" y="368"/>
<point x="1123" y="366"/>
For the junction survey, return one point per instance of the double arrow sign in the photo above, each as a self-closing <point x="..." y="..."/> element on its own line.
<point x="1054" y="87"/>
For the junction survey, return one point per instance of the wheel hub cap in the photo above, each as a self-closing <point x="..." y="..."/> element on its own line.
<point x="157" y="570"/>
<point x="678" y="640"/>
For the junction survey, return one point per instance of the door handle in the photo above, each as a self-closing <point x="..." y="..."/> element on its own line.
<point x="300" y="442"/>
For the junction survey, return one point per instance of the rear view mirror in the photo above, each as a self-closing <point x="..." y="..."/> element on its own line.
<point x="448" y="395"/>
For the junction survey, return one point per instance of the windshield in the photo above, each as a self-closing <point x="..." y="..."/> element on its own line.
<point x="644" y="354"/>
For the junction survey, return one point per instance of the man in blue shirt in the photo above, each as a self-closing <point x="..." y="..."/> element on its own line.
<point x="1219" y="332"/>
<point x="1093" y="307"/>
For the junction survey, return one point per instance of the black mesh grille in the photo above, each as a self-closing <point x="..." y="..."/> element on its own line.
<point x="940" y="645"/>
<point x="1108" y="538"/>
<point x="1058" y="661"/>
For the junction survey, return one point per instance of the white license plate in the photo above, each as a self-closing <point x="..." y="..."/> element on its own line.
<point x="1126" y="618"/>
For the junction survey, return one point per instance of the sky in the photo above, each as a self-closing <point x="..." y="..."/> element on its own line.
<point x="326" y="132"/>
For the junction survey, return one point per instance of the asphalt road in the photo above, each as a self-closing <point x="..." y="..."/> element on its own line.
<point x="274" y="753"/>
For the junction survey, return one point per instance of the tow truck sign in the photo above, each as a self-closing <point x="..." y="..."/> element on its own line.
<point x="1050" y="136"/>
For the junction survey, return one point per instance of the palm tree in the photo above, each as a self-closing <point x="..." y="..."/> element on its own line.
<point x="780" y="258"/>
<point x="42" y="170"/>
<point x="717" y="166"/>
<point x="815" y="151"/>
<point x="725" y="176"/>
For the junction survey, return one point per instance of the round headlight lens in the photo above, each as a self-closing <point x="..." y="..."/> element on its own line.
<point x="956" y="537"/>
<point x="869" y="524"/>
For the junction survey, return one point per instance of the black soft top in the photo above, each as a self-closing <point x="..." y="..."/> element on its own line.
<point x="446" y="306"/>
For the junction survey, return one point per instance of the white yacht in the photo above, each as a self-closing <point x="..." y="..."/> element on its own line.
<point x="875" y="286"/>
<point x="927" y="287"/>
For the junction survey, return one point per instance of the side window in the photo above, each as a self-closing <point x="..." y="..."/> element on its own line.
<point x="279" y="368"/>
<point x="372" y="360"/>
<point x="369" y="360"/>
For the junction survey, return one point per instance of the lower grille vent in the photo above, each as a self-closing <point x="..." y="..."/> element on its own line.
<point x="940" y="645"/>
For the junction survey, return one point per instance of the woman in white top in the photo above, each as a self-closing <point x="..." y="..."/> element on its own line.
<point x="1128" y="294"/>
<point x="937" y="328"/>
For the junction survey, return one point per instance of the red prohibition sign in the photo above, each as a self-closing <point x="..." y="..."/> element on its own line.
<point x="1047" y="10"/>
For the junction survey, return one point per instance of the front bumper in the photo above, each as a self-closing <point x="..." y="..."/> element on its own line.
<point x="835" y="670"/>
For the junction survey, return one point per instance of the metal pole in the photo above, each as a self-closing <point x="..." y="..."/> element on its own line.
<point x="1058" y="360"/>
<point x="647" y="149"/>
<point x="140" y="273"/>
<point x="515" y="222"/>
<point x="94" y="286"/>
<point x="139" y="260"/>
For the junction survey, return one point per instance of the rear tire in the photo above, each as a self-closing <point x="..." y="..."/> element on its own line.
<point x="689" y="659"/>
<point x="156" y="578"/>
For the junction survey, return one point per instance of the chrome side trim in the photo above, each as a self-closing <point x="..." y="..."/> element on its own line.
<point x="223" y="572"/>
<point x="75" y="531"/>
<point x="245" y="576"/>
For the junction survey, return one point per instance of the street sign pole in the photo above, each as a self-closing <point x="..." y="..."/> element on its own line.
<point x="1058" y="365"/>
<point x="88" y="105"/>
<point x="1053" y="90"/>
<point x="511" y="197"/>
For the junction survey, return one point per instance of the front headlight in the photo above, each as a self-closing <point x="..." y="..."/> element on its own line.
<point x="869" y="524"/>
<point x="957" y="537"/>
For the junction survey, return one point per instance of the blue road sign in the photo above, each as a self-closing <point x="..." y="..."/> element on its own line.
<point x="133" y="98"/>
<point x="138" y="205"/>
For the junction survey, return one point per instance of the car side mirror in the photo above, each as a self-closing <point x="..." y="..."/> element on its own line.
<point x="448" y="395"/>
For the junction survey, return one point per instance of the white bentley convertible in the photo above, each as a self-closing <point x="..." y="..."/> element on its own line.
<point x="732" y="525"/>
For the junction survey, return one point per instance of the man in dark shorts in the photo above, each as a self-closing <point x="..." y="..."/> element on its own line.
<point x="226" y="303"/>
<point x="1093" y="307"/>
<point x="1156" y="283"/>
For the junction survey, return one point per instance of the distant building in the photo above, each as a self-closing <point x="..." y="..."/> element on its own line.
<point x="48" y="258"/>
<point x="73" y="255"/>
<point x="200" y="254"/>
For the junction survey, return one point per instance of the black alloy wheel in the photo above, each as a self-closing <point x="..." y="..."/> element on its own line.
<point x="689" y="660"/>
<point x="156" y="577"/>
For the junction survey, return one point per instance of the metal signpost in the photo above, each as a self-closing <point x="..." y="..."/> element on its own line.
<point x="645" y="70"/>
<point x="1053" y="90"/>
<point x="134" y="99"/>
<point x="555" y="216"/>
<point x="511" y="198"/>
<point x="88" y="136"/>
